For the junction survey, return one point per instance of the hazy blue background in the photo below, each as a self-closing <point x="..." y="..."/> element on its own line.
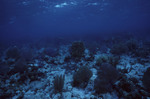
<point x="30" y="19"/>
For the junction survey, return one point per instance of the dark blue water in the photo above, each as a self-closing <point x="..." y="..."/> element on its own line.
<point x="21" y="18"/>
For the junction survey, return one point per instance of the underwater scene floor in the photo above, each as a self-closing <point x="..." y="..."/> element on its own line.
<point x="108" y="68"/>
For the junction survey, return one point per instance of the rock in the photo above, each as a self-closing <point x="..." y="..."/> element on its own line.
<point x="126" y="85"/>
<point x="134" y="95"/>
<point x="57" y="96"/>
<point x="37" y="85"/>
<point x="144" y="93"/>
<point x="67" y="95"/>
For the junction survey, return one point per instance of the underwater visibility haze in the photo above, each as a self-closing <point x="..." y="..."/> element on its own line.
<point x="51" y="17"/>
<point x="74" y="49"/>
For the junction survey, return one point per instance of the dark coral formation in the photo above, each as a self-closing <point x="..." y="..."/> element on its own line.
<point x="20" y="66"/>
<point x="59" y="83"/>
<point x="13" y="52"/>
<point x="113" y="60"/>
<point x="146" y="79"/>
<point x="119" y="49"/>
<point x="107" y="76"/>
<point x="4" y="68"/>
<point x="77" y="49"/>
<point x="82" y="76"/>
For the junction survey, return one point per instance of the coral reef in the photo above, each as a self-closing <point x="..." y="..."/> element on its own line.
<point x="82" y="76"/>
<point x="146" y="79"/>
<point x="107" y="76"/>
<point x="4" y="68"/>
<point x="118" y="72"/>
<point x="77" y="49"/>
<point x="106" y="58"/>
<point x="59" y="83"/>
<point x="13" y="52"/>
<point x="20" y="66"/>
<point x="119" y="49"/>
